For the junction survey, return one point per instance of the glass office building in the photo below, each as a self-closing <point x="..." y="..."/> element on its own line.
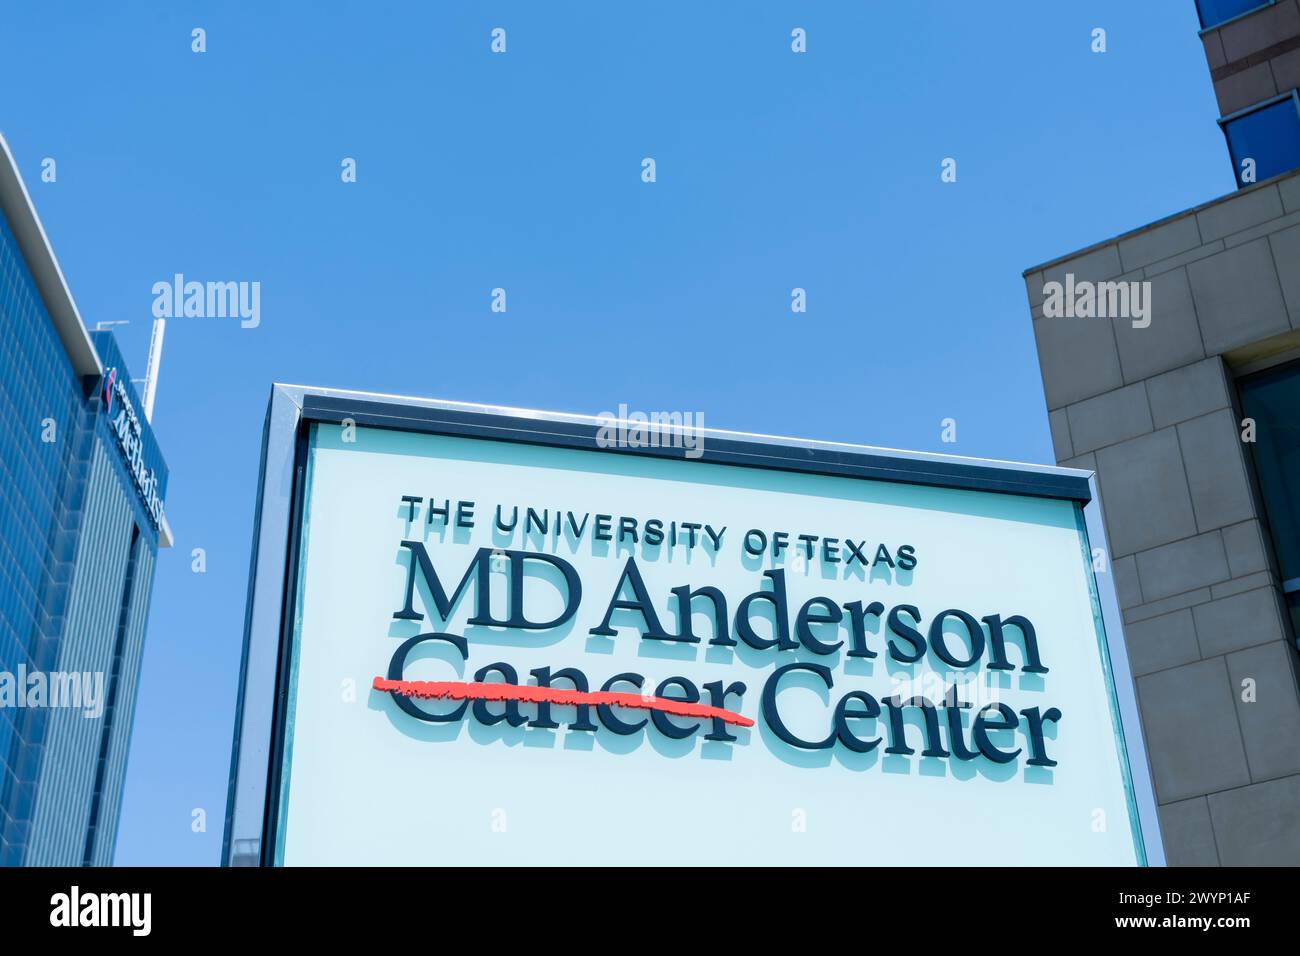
<point x="81" y="488"/>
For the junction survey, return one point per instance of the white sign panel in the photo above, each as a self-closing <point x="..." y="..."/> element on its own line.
<point x="515" y="653"/>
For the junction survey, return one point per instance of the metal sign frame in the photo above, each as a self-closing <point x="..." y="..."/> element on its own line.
<point x="260" y="714"/>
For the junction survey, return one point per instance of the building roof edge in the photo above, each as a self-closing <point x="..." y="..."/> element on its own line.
<point x="1078" y="253"/>
<point x="19" y="210"/>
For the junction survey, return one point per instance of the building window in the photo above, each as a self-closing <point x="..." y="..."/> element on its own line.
<point x="1269" y="135"/>
<point x="1217" y="12"/>
<point x="1272" y="399"/>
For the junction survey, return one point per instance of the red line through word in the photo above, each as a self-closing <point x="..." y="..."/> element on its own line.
<point x="465" y="690"/>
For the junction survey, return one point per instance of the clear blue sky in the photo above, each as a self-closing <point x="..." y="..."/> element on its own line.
<point x="522" y="171"/>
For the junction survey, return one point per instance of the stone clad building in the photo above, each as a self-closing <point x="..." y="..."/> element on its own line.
<point x="1192" y="424"/>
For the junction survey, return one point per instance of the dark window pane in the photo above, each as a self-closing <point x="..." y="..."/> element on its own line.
<point x="1272" y="399"/>
<point x="1214" y="12"/>
<point x="1271" y="137"/>
<point x="1293" y="601"/>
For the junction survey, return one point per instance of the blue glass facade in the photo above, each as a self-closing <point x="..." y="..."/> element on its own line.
<point x="1269" y="135"/>
<point x="1215" y="12"/>
<point x="1272" y="400"/>
<point x="77" y="549"/>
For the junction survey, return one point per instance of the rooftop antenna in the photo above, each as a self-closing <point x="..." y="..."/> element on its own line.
<point x="150" y="379"/>
<point x="151" y="369"/>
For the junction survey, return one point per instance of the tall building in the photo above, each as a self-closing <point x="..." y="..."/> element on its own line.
<point x="82" y="483"/>
<point x="1253" y="51"/>
<point x="1170" y="358"/>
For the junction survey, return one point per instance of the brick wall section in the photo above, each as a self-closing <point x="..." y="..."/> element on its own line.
<point x="1152" y="411"/>
<point x="1255" y="57"/>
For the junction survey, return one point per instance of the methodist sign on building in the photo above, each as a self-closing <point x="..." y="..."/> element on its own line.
<point x="482" y="636"/>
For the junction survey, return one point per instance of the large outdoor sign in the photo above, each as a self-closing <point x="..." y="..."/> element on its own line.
<point x="503" y="646"/>
<point x="126" y="429"/>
